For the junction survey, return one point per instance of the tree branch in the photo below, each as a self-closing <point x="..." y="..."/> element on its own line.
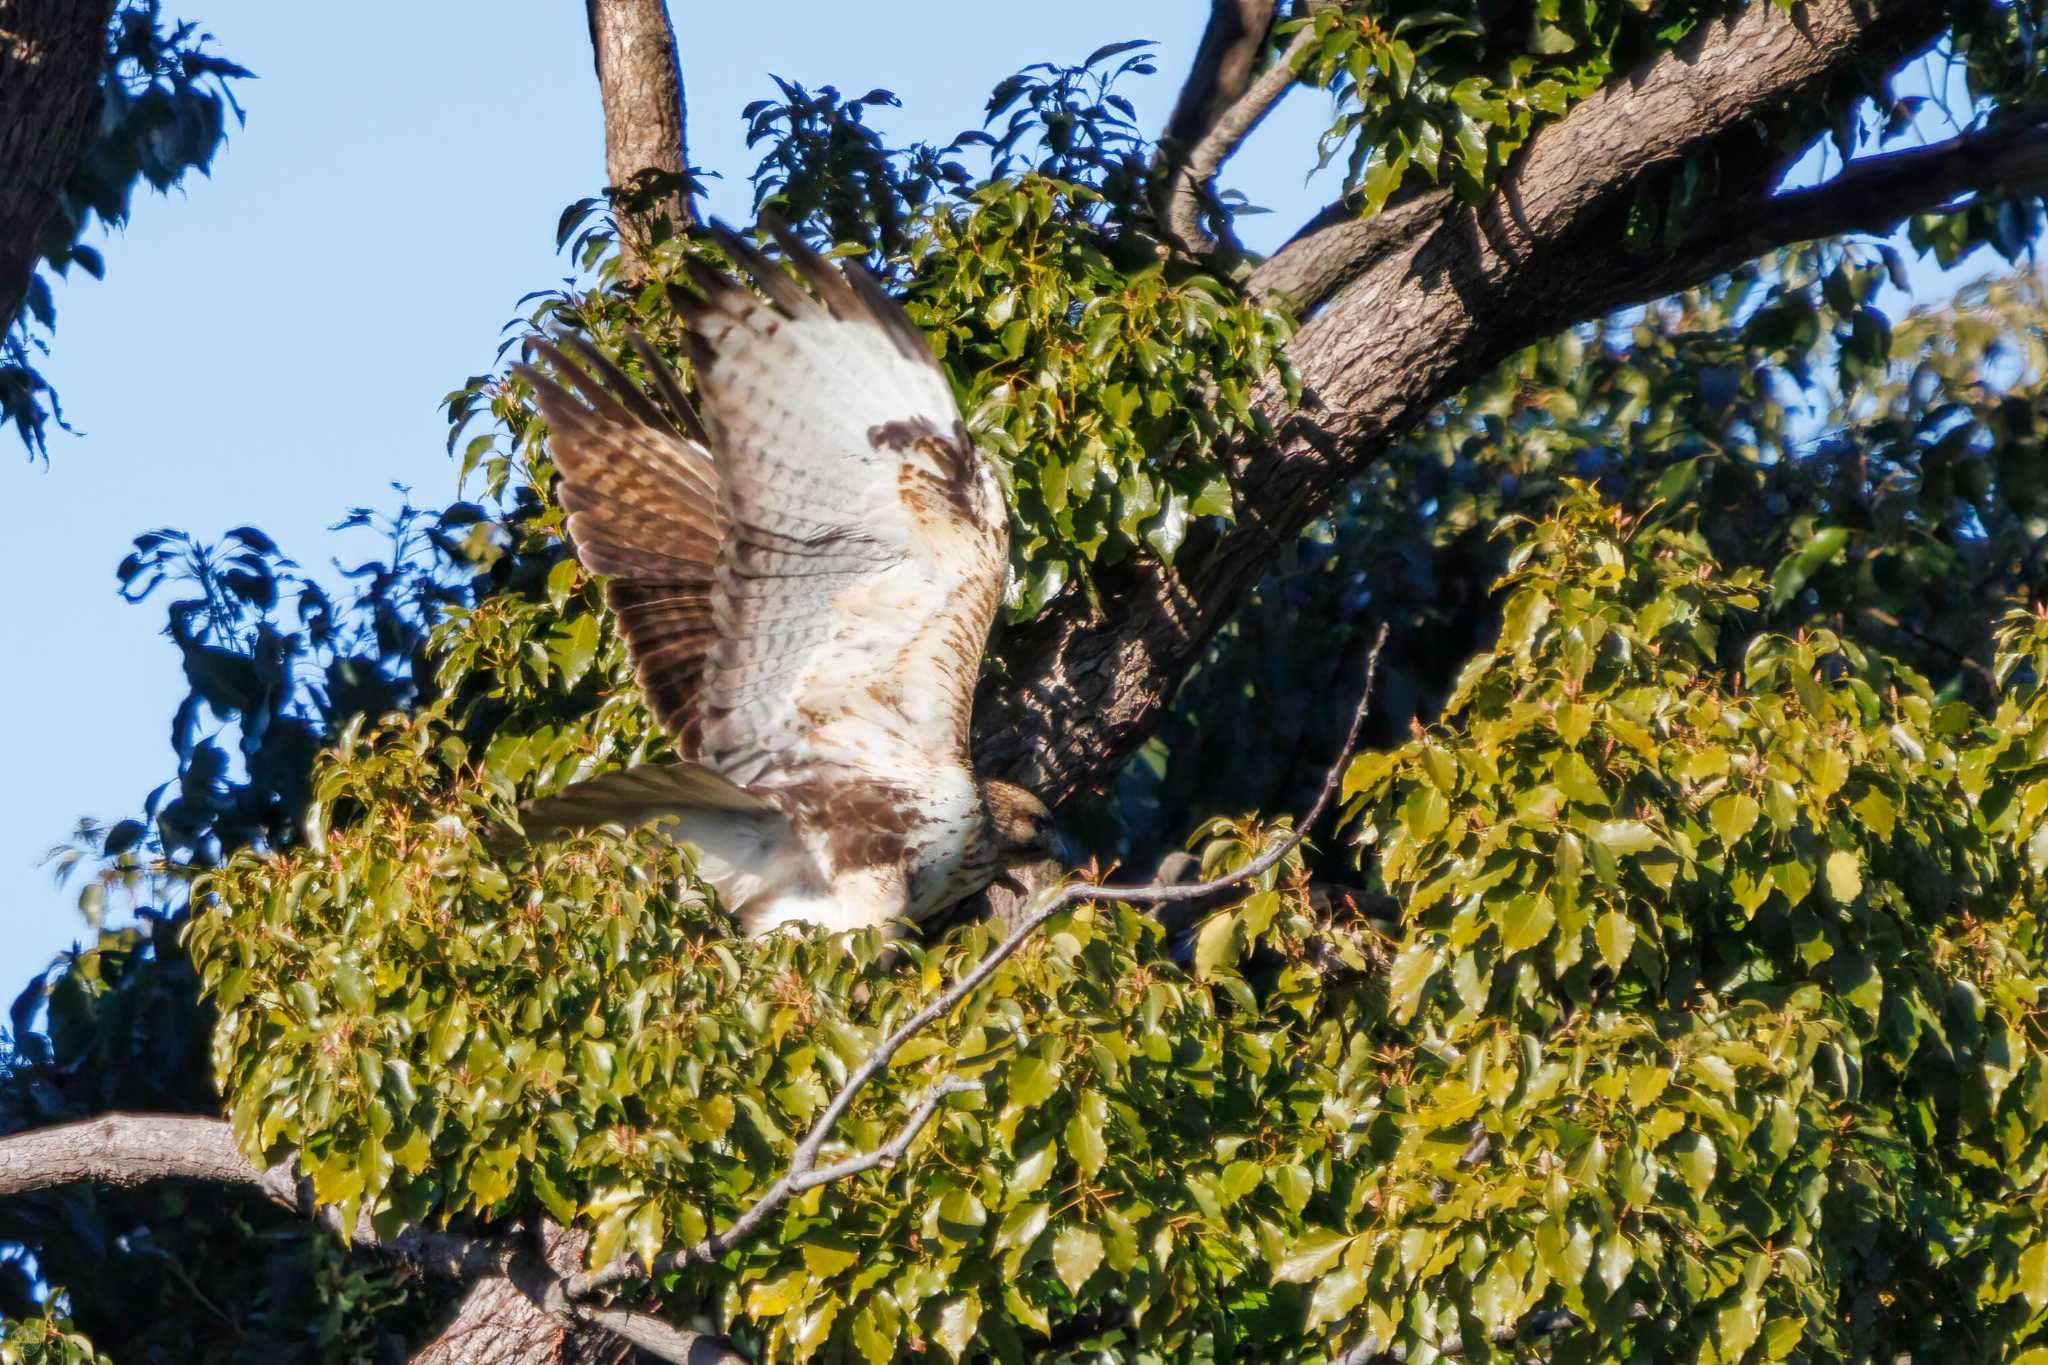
<point x="129" y="1150"/>
<point x="1402" y="310"/>
<point x="1223" y="66"/>
<point x="640" y="80"/>
<point x="1188" y="190"/>
<point x="1873" y="194"/>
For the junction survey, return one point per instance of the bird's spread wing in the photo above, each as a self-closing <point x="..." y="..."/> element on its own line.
<point x="644" y="510"/>
<point x="807" y="603"/>
<point x="866" y="553"/>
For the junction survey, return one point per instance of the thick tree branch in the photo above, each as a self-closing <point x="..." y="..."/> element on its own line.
<point x="51" y="52"/>
<point x="640" y="78"/>
<point x="1873" y="194"/>
<point x="1403" y="310"/>
<point x="128" y="1150"/>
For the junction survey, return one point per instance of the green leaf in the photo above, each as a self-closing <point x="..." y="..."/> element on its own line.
<point x="1733" y="816"/>
<point x="1312" y="1254"/>
<point x="825" y="1261"/>
<point x="1406" y="978"/>
<point x="1336" y="1294"/>
<point x="1083" y="1133"/>
<point x="1878" y="813"/>
<point x="1844" y="876"/>
<point x="1076" y="1253"/>
<point x="953" y="1327"/>
<point x="1031" y="1082"/>
<point x="776" y="1295"/>
<point x="1526" y="922"/>
<point x="1217" y="944"/>
<point x="1294" y="1186"/>
<point x="1793" y="572"/>
<point x="1616" y="1259"/>
<point x="1621" y="837"/>
<point x="1697" y="1161"/>
<point x="572" y="648"/>
<point x="1615" y="934"/>
<point x="1032" y="1168"/>
<point x="2034" y="1275"/>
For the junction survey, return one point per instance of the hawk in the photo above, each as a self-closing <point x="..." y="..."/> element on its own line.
<point x="805" y="567"/>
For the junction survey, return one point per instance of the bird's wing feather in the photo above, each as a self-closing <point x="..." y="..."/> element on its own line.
<point x="633" y="796"/>
<point x="867" y="544"/>
<point x="645" y="510"/>
<point x="806" y="591"/>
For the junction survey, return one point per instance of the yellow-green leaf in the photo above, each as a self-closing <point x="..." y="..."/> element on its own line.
<point x="1076" y="1253"/>
<point x="1845" y="876"/>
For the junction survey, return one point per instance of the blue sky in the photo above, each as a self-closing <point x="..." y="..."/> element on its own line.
<point x="270" y="344"/>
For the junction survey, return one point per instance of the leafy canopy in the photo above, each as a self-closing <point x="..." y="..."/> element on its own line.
<point x="1679" y="975"/>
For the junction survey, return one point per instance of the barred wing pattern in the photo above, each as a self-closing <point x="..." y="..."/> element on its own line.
<point x="805" y="577"/>
<point x="868" y="536"/>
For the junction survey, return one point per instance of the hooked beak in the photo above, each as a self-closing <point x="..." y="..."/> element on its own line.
<point x="1008" y="881"/>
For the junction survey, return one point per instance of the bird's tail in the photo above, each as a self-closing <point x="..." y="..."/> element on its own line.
<point x="743" y="847"/>
<point x="636" y="796"/>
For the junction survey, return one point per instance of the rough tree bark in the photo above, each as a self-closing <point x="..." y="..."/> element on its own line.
<point x="640" y="80"/>
<point x="1224" y="62"/>
<point x="521" y="1308"/>
<point x="50" y="58"/>
<point x="1408" y="306"/>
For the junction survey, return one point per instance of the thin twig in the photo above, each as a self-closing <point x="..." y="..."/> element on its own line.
<point x="1190" y="185"/>
<point x="802" y="1173"/>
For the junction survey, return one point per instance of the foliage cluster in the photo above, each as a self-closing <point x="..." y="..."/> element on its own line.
<point x="1876" y="473"/>
<point x="1711" y="1009"/>
<point x="45" y="1338"/>
<point x="1104" y="383"/>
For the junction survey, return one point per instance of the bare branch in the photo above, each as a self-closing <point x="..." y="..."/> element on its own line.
<point x="1188" y="190"/>
<point x="129" y="1150"/>
<point x="640" y="80"/>
<point x="803" y="1174"/>
<point x="1222" y="69"/>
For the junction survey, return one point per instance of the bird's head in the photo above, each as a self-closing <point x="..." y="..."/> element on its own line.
<point x="1023" y="826"/>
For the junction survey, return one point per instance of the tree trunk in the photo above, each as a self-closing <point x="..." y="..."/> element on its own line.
<point x="1402" y="310"/>
<point x="640" y="79"/>
<point x="498" y="1323"/>
<point x="51" y="55"/>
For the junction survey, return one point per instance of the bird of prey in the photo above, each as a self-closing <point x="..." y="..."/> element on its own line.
<point x="805" y="567"/>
